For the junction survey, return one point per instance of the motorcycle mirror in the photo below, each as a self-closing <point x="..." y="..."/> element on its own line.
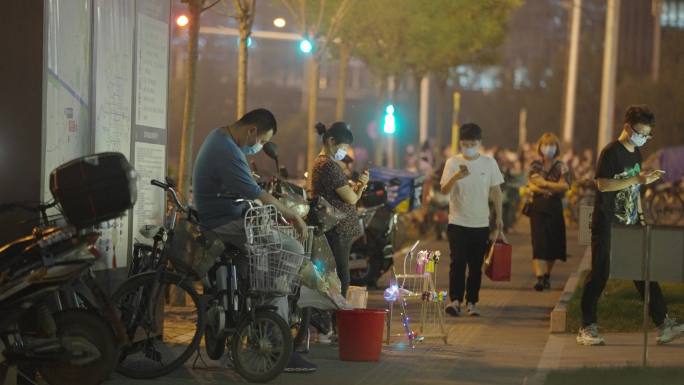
<point x="283" y="172"/>
<point x="271" y="150"/>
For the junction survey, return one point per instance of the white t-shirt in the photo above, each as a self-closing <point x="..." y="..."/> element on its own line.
<point x="469" y="198"/>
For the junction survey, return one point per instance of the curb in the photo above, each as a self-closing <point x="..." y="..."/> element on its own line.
<point x="559" y="312"/>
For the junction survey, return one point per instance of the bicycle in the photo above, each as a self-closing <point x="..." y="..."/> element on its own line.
<point x="664" y="202"/>
<point x="227" y="312"/>
<point x="163" y="331"/>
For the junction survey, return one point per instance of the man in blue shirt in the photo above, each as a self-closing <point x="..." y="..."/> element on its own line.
<point x="222" y="174"/>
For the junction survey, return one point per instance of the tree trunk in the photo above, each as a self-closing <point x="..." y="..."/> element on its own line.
<point x="188" y="127"/>
<point x="242" y="71"/>
<point x="314" y="67"/>
<point x="440" y="105"/>
<point x="342" y="82"/>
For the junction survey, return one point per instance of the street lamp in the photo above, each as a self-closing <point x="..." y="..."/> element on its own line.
<point x="182" y="21"/>
<point x="305" y="46"/>
<point x="279" y="22"/>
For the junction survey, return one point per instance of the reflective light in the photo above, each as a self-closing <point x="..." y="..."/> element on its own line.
<point x="279" y="22"/>
<point x="182" y="21"/>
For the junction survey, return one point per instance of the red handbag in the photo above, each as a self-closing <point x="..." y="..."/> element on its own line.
<point x="497" y="264"/>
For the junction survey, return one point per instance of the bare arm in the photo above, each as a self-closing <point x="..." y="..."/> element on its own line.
<point x="290" y="215"/>
<point x="609" y="184"/>
<point x="349" y="195"/>
<point x="497" y="197"/>
<point x="555" y="187"/>
<point x="449" y="185"/>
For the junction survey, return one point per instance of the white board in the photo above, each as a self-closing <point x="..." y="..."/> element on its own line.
<point x="152" y="72"/>
<point x="67" y="131"/>
<point x="113" y="66"/>
<point x="149" y="163"/>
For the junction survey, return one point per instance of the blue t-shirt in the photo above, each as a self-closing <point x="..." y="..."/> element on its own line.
<point x="221" y="170"/>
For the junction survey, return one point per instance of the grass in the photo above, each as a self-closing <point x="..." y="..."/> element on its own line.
<point x="620" y="308"/>
<point x="616" y="376"/>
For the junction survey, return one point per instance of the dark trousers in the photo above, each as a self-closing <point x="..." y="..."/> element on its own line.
<point x="468" y="246"/>
<point x="598" y="277"/>
<point x="341" y="247"/>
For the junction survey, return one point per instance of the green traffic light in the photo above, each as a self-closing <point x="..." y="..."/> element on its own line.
<point x="389" y="126"/>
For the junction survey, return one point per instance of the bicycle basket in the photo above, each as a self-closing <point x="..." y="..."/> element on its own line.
<point x="272" y="270"/>
<point x="193" y="251"/>
<point x="291" y="232"/>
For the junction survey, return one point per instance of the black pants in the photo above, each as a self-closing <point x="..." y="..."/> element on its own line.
<point x="341" y="247"/>
<point x="468" y="246"/>
<point x="598" y="277"/>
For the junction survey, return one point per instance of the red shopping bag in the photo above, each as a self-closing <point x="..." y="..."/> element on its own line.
<point x="497" y="263"/>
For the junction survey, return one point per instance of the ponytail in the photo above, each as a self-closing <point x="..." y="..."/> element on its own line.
<point x="339" y="131"/>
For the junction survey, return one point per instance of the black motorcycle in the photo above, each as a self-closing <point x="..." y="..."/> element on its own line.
<point x="55" y="320"/>
<point x="372" y="253"/>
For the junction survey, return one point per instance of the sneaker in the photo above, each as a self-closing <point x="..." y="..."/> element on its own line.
<point x="547" y="281"/>
<point x="669" y="331"/>
<point x="327" y="338"/>
<point x="589" y="336"/>
<point x="473" y="311"/>
<point x="298" y="364"/>
<point x="453" y="309"/>
<point x="539" y="286"/>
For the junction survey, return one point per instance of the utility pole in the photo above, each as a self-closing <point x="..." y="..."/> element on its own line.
<point x="424" y="108"/>
<point x="656" y="8"/>
<point x="391" y="141"/>
<point x="610" y="47"/>
<point x="571" y="80"/>
<point x="188" y="127"/>
<point x="522" y="127"/>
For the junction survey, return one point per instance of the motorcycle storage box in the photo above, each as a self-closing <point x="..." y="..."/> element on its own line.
<point x="94" y="188"/>
<point x="404" y="189"/>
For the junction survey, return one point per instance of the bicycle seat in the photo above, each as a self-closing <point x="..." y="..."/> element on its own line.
<point x="149" y="231"/>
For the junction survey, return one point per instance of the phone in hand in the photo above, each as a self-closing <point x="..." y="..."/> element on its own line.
<point x="463" y="170"/>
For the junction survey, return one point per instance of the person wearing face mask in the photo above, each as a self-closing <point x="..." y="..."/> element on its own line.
<point x="222" y="176"/>
<point x="330" y="182"/>
<point x="618" y="179"/>
<point x="470" y="179"/>
<point x="548" y="181"/>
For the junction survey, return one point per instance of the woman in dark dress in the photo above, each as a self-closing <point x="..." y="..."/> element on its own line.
<point x="330" y="182"/>
<point x="549" y="180"/>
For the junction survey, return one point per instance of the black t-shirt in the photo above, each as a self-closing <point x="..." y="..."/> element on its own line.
<point x="616" y="162"/>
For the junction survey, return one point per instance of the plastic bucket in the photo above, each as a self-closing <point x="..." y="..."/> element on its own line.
<point x="360" y="334"/>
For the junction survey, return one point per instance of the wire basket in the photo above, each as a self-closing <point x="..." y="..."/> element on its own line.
<point x="273" y="270"/>
<point x="292" y="232"/>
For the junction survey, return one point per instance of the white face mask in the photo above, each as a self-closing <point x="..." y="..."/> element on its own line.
<point x="548" y="151"/>
<point x="340" y="154"/>
<point x="637" y="139"/>
<point x="471" y="152"/>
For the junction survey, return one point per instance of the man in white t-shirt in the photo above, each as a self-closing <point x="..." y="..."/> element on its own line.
<point x="470" y="179"/>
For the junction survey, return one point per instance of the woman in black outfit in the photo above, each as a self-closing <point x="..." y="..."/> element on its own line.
<point x="330" y="182"/>
<point x="549" y="180"/>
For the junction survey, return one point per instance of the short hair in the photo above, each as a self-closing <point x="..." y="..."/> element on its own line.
<point x="639" y="114"/>
<point x="548" y="138"/>
<point x="470" y="131"/>
<point x="339" y="131"/>
<point x="262" y="118"/>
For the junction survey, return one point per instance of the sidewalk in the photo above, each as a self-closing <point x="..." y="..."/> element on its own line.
<point x="506" y="345"/>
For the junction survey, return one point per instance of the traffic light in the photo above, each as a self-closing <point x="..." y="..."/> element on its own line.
<point x="305" y="46"/>
<point x="389" y="126"/>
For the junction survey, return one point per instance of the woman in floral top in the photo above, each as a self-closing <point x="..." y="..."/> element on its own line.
<point x="330" y="182"/>
<point x="548" y="181"/>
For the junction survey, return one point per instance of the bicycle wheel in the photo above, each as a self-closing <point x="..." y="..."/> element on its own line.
<point x="261" y="346"/>
<point x="164" y="319"/>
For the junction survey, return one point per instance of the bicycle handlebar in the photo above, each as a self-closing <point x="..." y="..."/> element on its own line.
<point x="171" y="191"/>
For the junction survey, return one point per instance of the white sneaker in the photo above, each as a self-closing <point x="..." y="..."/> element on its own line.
<point x="327" y="338"/>
<point x="669" y="331"/>
<point x="473" y="311"/>
<point x="453" y="309"/>
<point x="589" y="336"/>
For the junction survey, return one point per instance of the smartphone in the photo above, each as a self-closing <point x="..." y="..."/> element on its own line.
<point x="463" y="168"/>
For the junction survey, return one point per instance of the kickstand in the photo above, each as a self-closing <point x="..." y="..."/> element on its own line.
<point x="199" y="358"/>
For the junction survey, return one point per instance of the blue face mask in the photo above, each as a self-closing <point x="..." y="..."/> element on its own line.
<point x="340" y="154"/>
<point x="637" y="139"/>
<point x="251" y="150"/>
<point x="471" y="152"/>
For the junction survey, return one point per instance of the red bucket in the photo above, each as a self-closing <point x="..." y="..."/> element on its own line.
<point x="360" y="334"/>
